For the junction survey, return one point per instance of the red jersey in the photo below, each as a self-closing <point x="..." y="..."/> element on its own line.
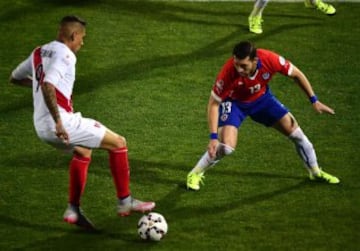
<point x="230" y="84"/>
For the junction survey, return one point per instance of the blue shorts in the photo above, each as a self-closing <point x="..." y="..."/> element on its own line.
<point x="266" y="110"/>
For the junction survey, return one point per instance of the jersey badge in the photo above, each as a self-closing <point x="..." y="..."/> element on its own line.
<point x="219" y="85"/>
<point x="266" y="76"/>
<point x="224" y="117"/>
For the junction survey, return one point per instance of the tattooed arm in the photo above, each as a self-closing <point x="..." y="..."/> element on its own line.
<point x="49" y="94"/>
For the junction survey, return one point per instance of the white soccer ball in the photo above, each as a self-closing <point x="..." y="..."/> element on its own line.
<point x="152" y="226"/>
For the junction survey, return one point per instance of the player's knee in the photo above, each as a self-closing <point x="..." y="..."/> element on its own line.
<point x="299" y="138"/>
<point x="228" y="150"/>
<point x="113" y="141"/>
<point x="297" y="135"/>
<point x="120" y="141"/>
<point x="82" y="152"/>
<point x="224" y="150"/>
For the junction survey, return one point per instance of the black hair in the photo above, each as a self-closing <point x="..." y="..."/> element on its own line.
<point x="244" y="49"/>
<point x="72" y="19"/>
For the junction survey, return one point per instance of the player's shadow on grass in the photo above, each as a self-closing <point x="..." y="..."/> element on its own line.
<point x="174" y="207"/>
<point x="140" y="69"/>
<point x="10" y="221"/>
<point x="175" y="204"/>
<point x="142" y="171"/>
<point x="69" y="237"/>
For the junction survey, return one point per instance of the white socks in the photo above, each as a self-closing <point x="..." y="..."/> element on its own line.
<point x="206" y="162"/>
<point x="305" y="150"/>
<point x="259" y="6"/>
<point x="303" y="147"/>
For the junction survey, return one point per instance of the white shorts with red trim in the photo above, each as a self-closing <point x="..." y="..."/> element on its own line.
<point x="84" y="132"/>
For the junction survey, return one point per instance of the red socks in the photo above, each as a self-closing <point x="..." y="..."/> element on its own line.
<point x="119" y="165"/>
<point x="78" y="174"/>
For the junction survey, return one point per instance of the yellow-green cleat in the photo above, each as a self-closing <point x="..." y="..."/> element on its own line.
<point x="325" y="177"/>
<point x="326" y="8"/>
<point x="194" y="180"/>
<point x="255" y="24"/>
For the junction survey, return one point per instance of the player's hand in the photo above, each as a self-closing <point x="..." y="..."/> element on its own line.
<point x="212" y="148"/>
<point x="61" y="132"/>
<point x="320" y="108"/>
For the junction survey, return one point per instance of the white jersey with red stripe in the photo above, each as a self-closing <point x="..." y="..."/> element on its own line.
<point x="53" y="63"/>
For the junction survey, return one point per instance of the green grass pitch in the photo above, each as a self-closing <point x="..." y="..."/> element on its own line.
<point x="146" y="71"/>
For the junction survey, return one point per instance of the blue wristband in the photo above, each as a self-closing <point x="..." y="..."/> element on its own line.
<point x="313" y="99"/>
<point x="213" y="135"/>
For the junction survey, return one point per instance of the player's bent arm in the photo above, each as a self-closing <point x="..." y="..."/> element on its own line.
<point x="49" y="94"/>
<point x="21" y="75"/>
<point x="305" y="85"/>
<point x="26" y="82"/>
<point x="213" y="116"/>
<point x="300" y="78"/>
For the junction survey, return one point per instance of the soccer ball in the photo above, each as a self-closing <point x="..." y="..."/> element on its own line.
<point x="152" y="226"/>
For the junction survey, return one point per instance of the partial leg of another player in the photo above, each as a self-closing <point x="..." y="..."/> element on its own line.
<point x="255" y="17"/>
<point x="326" y="8"/>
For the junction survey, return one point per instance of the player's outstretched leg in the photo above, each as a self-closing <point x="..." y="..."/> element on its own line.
<point x="306" y="151"/>
<point x="324" y="177"/>
<point x="74" y="215"/>
<point x="326" y="8"/>
<point x="129" y="204"/>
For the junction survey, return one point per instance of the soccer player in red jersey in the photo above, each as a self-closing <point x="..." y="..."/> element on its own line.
<point x="50" y="72"/>
<point x="241" y="89"/>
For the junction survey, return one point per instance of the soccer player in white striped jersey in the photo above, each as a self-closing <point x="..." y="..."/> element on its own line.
<point x="50" y="72"/>
<point x="255" y="17"/>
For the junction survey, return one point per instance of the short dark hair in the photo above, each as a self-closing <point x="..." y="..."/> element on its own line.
<point x="244" y="49"/>
<point x="72" y="19"/>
